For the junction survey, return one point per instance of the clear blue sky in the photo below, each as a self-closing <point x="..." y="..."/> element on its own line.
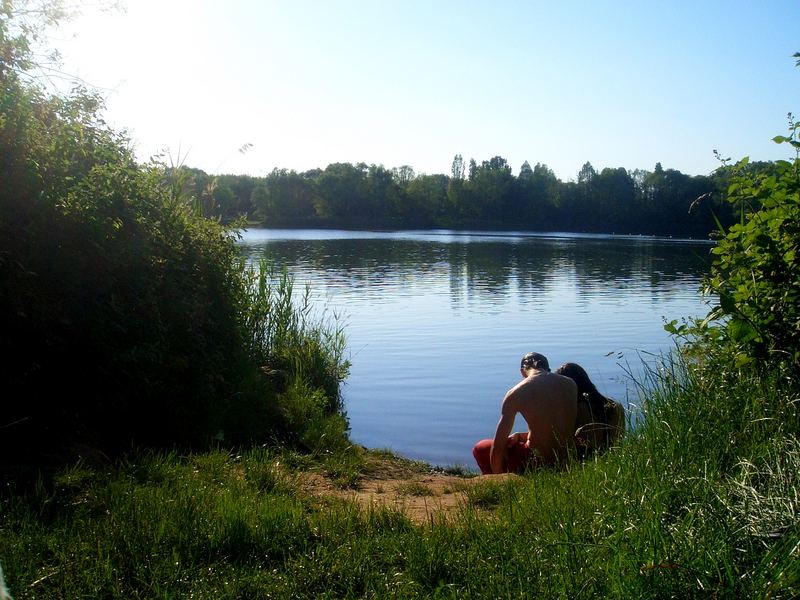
<point x="616" y="83"/>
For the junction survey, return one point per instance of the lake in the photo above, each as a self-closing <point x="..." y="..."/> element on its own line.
<point x="437" y="321"/>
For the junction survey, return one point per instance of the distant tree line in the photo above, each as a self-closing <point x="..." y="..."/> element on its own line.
<point x="484" y="195"/>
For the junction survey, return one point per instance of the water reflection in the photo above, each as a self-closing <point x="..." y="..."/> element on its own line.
<point x="437" y="321"/>
<point x="490" y="270"/>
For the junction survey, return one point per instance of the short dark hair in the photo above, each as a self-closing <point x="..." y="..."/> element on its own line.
<point x="534" y="360"/>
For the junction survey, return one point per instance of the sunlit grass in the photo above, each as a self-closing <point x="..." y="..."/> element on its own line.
<point x="687" y="506"/>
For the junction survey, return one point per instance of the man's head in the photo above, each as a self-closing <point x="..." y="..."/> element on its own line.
<point x="534" y="360"/>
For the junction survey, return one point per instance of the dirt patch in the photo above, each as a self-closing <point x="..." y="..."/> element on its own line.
<point x="422" y="497"/>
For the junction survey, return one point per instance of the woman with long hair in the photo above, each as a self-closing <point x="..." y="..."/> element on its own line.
<point x="601" y="421"/>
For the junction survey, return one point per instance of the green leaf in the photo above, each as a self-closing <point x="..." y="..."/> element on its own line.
<point x="780" y="139"/>
<point x="741" y="331"/>
<point x="727" y="303"/>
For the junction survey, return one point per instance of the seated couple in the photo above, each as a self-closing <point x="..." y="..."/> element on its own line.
<point x="563" y="410"/>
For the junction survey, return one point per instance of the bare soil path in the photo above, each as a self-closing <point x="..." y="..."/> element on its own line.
<point x="422" y="495"/>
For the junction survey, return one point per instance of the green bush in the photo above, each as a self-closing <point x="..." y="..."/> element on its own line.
<point x="127" y="317"/>
<point x="756" y="272"/>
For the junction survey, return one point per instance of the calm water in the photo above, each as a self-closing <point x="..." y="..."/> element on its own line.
<point x="437" y="321"/>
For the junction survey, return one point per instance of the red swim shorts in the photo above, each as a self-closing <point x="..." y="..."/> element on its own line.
<point x="518" y="455"/>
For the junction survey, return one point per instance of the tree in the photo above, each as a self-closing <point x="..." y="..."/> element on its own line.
<point x="127" y="317"/>
<point x="285" y="197"/>
<point x="456" y="194"/>
<point x="586" y="175"/>
<point x="492" y="187"/>
<point x="525" y="196"/>
<point x="121" y="305"/>
<point x="544" y="196"/>
<point x="237" y="205"/>
<point x="382" y="194"/>
<point x="426" y="198"/>
<point x="22" y="26"/>
<point x="614" y="200"/>
<point x="341" y="192"/>
<point x="525" y="172"/>
<point x="457" y="169"/>
<point x="259" y="198"/>
<point x="403" y="175"/>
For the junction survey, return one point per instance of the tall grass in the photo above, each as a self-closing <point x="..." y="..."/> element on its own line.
<point x="287" y="333"/>
<point x="700" y="500"/>
<point x="301" y="353"/>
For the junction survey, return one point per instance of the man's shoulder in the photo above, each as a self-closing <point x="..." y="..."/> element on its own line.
<point x="519" y="391"/>
<point x="551" y="377"/>
<point x="554" y="384"/>
<point x="546" y="380"/>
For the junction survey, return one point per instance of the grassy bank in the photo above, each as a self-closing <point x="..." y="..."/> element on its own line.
<point x="701" y="500"/>
<point x="129" y="319"/>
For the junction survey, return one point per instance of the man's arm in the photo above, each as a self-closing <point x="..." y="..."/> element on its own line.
<point x="500" y="443"/>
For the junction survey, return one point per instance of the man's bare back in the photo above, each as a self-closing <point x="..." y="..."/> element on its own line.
<point x="548" y="403"/>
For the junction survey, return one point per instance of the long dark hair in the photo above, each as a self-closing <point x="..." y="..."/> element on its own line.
<point x="586" y="390"/>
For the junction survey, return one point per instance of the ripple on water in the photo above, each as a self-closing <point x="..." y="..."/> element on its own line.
<point x="437" y="321"/>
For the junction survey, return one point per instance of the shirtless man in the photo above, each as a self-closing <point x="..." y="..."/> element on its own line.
<point x="547" y="403"/>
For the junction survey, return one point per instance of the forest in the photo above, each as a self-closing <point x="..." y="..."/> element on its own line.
<point x="486" y="195"/>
